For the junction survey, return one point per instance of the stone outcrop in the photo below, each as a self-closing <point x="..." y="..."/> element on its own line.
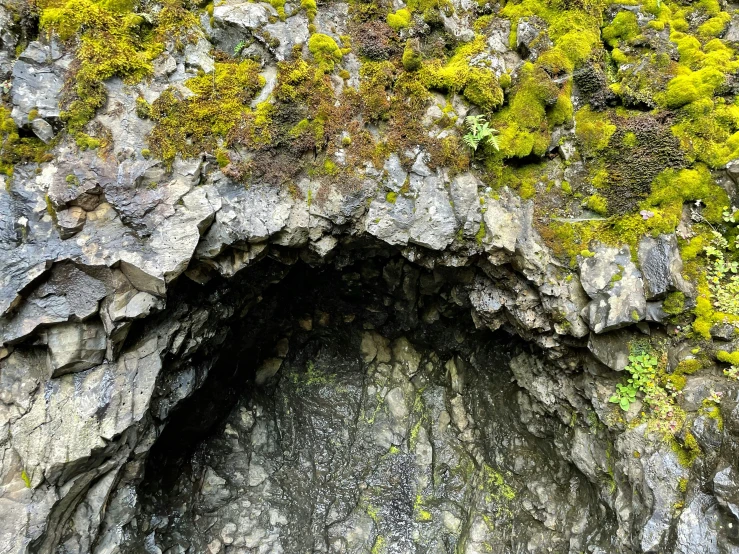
<point x="129" y="285"/>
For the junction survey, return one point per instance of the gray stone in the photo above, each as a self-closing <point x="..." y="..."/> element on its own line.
<point x="726" y="487"/>
<point x="42" y="129"/>
<point x="661" y="266"/>
<point x="70" y="221"/>
<point x="612" y="348"/>
<point x="246" y="15"/>
<point x="434" y="225"/>
<point x="38" y="78"/>
<point x="75" y="347"/>
<point x="288" y="33"/>
<point x="616" y="286"/>
<point x="464" y="194"/>
<point x="502" y="222"/>
<point x="198" y="55"/>
<point x="732" y="31"/>
<point x="696" y="530"/>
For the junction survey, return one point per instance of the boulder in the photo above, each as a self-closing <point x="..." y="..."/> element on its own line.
<point x="70" y="221"/>
<point x="612" y="349"/>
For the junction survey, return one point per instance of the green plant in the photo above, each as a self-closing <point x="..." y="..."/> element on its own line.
<point x="239" y="47"/>
<point x="722" y="273"/>
<point x="642" y="369"/>
<point x="479" y="132"/>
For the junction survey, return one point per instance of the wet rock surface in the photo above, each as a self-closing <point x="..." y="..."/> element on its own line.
<point x="360" y="441"/>
<point x="389" y="360"/>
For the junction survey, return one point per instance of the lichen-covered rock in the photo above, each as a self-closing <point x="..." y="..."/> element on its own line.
<point x="616" y="286"/>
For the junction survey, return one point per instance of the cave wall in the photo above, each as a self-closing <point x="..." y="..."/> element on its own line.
<point x="165" y="165"/>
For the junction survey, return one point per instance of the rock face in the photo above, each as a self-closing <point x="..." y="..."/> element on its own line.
<point x="386" y="359"/>
<point x="616" y="286"/>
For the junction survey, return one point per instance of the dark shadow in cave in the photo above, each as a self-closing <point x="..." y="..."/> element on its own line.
<point x="324" y="311"/>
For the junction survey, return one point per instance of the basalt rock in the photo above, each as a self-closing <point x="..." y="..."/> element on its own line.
<point x="393" y="362"/>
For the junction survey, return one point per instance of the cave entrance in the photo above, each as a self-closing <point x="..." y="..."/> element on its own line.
<point x="355" y="407"/>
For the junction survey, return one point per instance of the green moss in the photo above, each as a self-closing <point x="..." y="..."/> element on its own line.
<point x="411" y="56"/>
<point x="14" y="149"/>
<point x="682" y="484"/>
<point x="113" y="41"/>
<point x="523" y="124"/>
<point x="597" y="203"/>
<point x="143" y="109"/>
<point x="400" y="19"/>
<point x="593" y="130"/>
<point x="728" y="357"/>
<point x="688" y="451"/>
<point x="86" y="142"/>
<point x="379" y="546"/>
<point x="527" y="190"/>
<point x="481" y="233"/>
<point x="325" y="51"/>
<point x="478" y="85"/>
<point x="311" y="10"/>
<point x="26" y="478"/>
<point x="674" y="303"/>
<point x="711" y="410"/>
<point x="189" y="126"/>
<point x="714" y="26"/>
<point x="675" y="382"/>
<point x="623" y="28"/>
<point x="391" y="197"/>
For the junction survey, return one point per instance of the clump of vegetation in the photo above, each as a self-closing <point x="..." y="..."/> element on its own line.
<point x="189" y="126"/>
<point x="14" y="149"/>
<point x="325" y="51"/>
<point x="642" y="369"/>
<point x="478" y="85"/>
<point x="659" y="390"/>
<point x="113" y="41"/>
<point x="479" y="132"/>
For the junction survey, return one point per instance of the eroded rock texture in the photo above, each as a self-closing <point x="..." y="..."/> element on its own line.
<point x="258" y="296"/>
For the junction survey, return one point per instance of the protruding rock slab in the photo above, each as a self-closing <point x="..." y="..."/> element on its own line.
<point x="661" y="265"/>
<point x="616" y="286"/>
<point x="75" y="347"/>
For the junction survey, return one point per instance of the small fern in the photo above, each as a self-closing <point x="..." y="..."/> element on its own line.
<point x="479" y="132"/>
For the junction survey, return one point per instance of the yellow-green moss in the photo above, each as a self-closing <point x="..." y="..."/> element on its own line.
<point x="728" y="357"/>
<point x="688" y="366"/>
<point x="189" y="126"/>
<point x="113" y="41"/>
<point x="411" y="57"/>
<point x="14" y="149"/>
<point x="400" y="19"/>
<point x="593" y="129"/>
<point x="597" y="203"/>
<point x="478" y="85"/>
<point x="688" y="451"/>
<point x="623" y="28"/>
<point x="674" y="303"/>
<point x="311" y="10"/>
<point x="325" y="51"/>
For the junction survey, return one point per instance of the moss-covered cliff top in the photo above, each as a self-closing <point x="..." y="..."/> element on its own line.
<point x="617" y="120"/>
